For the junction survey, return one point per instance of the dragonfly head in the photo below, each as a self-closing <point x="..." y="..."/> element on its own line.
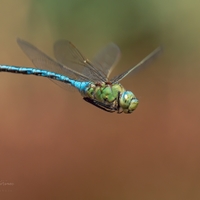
<point x="128" y="102"/>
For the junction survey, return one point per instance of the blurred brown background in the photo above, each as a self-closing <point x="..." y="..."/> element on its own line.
<point x="53" y="145"/>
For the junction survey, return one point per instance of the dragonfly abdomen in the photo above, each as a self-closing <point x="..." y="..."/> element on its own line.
<point x="36" y="72"/>
<point x="81" y="86"/>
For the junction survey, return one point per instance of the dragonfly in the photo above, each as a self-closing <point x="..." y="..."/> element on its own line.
<point x="90" y="78"/>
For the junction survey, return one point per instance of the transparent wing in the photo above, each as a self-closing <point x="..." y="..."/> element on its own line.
<point x="146" y="60"/>
<point x="67" y="54"/>
<point x="42" y="61"/>
<point x="101" y="67"/>
<point x="107" y="59"/>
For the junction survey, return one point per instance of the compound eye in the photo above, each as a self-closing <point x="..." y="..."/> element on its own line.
<point x="133" y="105"/>
<point x="125" y="99"/>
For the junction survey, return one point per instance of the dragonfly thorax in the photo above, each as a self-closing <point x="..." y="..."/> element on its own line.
<point x="111" y="97"/>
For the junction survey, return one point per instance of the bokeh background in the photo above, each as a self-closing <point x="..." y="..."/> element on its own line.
<point x="53" y="145"/>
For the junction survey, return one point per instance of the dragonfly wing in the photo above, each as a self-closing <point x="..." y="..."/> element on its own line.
<point x="107" y="59"/>
<point x="42" y="61"/>
<point x="145" y="61"/>
<point x="66" y="53"/>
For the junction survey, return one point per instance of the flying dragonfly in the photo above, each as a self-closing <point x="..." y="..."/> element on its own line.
<point x="91" y="79"/>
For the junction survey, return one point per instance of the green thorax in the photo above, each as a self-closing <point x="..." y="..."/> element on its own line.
<point x="104" y="92"/>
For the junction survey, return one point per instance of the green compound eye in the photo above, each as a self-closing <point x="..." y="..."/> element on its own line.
<point x="133" y="105"/>
<point x="128" y="102"/>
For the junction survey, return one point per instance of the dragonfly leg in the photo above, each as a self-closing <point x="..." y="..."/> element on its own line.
<point x="118" y="104"/>
<point x="107" y="108"/>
